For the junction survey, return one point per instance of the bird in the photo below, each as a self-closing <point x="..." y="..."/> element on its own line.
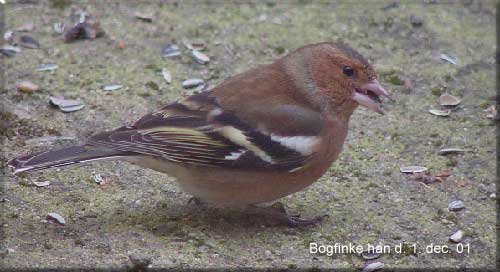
<point x="256" y="137"/>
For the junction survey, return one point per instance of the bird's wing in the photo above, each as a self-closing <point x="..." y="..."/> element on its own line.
<point x="197" y="130"/>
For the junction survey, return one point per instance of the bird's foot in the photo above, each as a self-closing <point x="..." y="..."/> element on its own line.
<point x="195" y="200"/>
<point x="278" y="214"/>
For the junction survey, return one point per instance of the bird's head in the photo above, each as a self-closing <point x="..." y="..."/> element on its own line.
<point x="339" y="78"/>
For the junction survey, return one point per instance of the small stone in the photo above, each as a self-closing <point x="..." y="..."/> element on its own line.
<point x="440" y="112"/>
<point x="191" y="83"/>
<point x="457" y="236"/>
<point x="27" y="87"/>
<point x="373" y="267"/>
<point x="170" y="51"/>
<point x="412" y="169"/>
<point x="41" y="183"/>
<point x="56" y="217"/>
<point x="28" y="42"/>
<point x="112" y="87"/>
<point x="47" y="67"/>
<point x="200" y="57"/>
<point x="493" y="195"/>
<point x="456" y="205"/>
<point x="166" y="75"/>
<point x="448" y="100"/>
<point x="448" y="151"/>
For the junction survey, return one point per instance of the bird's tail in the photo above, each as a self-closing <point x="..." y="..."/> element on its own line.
<point x="62" y="157"/>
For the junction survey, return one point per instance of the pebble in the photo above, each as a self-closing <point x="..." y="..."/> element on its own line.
<point x="373" y="267"/>
<point x="412" y="169"/>
<point x="493" y="195"/>
<point x="457" y="236"/>
<point x="456" y="205"/>
<point x="58" y="218"/>
<point x="200" y="57"/>
<point x="451" y="150"/>
<point x="448" y="100"/>
<point x="192" y="82"/>
<point x="27" y="87"/>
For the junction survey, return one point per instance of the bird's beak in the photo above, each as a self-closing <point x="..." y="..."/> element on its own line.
<point x="368" y="96"/>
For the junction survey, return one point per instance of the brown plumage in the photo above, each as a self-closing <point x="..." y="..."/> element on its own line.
<point x="256" y="137"/>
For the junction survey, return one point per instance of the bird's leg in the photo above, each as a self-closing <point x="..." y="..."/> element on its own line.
<point x="278" y="213"/>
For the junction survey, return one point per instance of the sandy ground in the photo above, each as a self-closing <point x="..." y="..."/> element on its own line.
<point x="142" y="215"/>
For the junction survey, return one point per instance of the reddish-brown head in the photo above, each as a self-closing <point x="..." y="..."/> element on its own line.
<point x="342" y="78"/>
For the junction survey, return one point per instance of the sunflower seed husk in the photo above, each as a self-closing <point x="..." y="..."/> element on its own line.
<point x="27" y="87"/>
<point x="8" y="36"/>
<point x="451" y="150"/>
<point x="26" y="27"/>
<point x="47" y="67"/>
<point x="146" y="17"/>
<point x="112" y="87"/>
<point x="56" y="217"/>
<point x="98" y="178"/>
<point x="200" y="57"/>
<point x="440" y="112"/>
<point x="41" y="183"/>
<point x="448" y="100"/>
<point x="28" y="42"/>
<point x="191" y="83"/>
<point x="373" y="267"/>
<point x="71" y="108"/>
<point x="166" y="75"/>
<point x="457" y="236"/>
<point x="367" y="255"/>
<point x="491" y="112"/>
<point x="412" y="169"/>
<point x="66" y="105"/>
<point x="9" y="50"/>
<point x="59" y="27"/>
<point x="171" y="50"/>
<point x="449" y="59"/>
<point x="456" y="205"/>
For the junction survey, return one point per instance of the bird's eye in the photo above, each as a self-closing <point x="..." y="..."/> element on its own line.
<point x="348" y="71"/>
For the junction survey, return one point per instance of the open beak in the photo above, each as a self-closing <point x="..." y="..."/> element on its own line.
<point x="369" y="94"/>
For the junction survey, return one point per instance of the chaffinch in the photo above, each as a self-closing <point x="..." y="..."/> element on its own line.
<point x="256" y="137"/>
